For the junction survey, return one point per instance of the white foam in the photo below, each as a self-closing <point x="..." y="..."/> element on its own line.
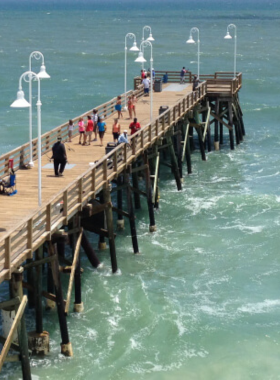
<point x="259" y="307"/>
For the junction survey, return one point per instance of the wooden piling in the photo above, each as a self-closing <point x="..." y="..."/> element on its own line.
<point x="131" y="214"/>
<point x="110" y="227"/>
<point x="120" y="221"/>
<point x="135" y="184"/>
<point x="102" y="243"/>
<point x="17" y="291"/>
<point x="89" y="251"/>
<point x="66" y="346"/>
<point x="38" y="292"/>
<point x="230" y="122"/>
<point x="174" y="163"/>
<point x="152" y="227"/>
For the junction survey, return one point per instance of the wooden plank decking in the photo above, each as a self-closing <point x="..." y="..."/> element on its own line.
<point x="24" y="226"/>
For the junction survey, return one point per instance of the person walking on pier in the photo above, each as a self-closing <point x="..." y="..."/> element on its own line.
<point x="70" y="130"/>
<point x="95" y="119"/>
<point x="134" y="126"/>
<point x="59" y="157"/>
<point x="81" y="125"/>
<point x="116" y="130"/>
<point x="182" y="75"/>
<point x="101" y="129"/>
<point x="195" y="83"/>
<point x="118" y="106"/>
<point x="146" y="83"/>
<point x="134" y="101"/>
<point x="89" y="130"/>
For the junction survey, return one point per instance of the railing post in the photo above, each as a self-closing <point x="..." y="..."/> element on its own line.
<point x="80" y="197"/>
<point x="150" y="133"/>
<point x="7" y="264"/>
<point x="157" y="122"/>
<point x="93" y="180"/>
<point x="30" y="237"/>
<point x="125" y="153"/>
<point x="142" y="139"/>
<point x="104" y="170"/>
<point x="65" y="205"/>
<point x="49" y="218"/>
<point x="115" y="162"/>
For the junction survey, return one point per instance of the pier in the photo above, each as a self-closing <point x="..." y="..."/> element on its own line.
<point x="32" y="237"/>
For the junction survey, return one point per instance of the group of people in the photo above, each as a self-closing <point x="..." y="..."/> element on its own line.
<point x="94" y="124"/>
<point x="131" y="105"/>
<point x="183" y="78"/>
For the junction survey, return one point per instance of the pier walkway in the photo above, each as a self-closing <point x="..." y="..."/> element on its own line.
<point x="24" y="227"/>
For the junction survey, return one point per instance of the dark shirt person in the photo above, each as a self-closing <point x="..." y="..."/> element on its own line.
<point x="195" y="82"/>
<point x="59" y="157"/>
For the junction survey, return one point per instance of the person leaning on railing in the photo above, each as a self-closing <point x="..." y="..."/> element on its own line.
<point x="123" y="138"/>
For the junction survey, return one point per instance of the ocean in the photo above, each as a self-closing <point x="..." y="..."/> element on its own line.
<point x="201" y="301"/>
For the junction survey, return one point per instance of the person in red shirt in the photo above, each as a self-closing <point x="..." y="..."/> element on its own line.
<point x="134" y="126"/>
<point x="89" y="130"/>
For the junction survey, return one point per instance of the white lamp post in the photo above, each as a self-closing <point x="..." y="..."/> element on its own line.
<point x="191" y="41"/>
<point x="142" y="60"/>
<point x="42" y="75"/>
<point x="133" y="48"/>
<point x="228" y="37"/>
<point x="20" y="102"/>
<point x="150" y="38"/>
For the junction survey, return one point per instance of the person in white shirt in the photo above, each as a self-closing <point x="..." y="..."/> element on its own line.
<point x="146" y="83"/>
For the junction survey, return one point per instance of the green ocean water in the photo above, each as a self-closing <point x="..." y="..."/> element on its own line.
<point x="201" y="301"/>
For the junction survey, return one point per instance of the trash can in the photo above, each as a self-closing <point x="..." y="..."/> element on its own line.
<point x="158" y="85"/>
<point x="161" y="110"/>
<point x="110" y="146"/>
<point x="165" y="78"/>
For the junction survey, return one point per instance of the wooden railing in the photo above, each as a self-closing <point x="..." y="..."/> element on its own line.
<point x="18" y="245"/>
<point x="20" y="155"/>
<point x="222" y="82"/>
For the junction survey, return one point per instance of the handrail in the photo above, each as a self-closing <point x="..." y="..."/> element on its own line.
<point x="20" y="155"/>
<point x="18" y="245"/>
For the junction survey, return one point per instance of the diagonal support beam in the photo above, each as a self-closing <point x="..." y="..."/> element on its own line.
<point x="73" y="268"/>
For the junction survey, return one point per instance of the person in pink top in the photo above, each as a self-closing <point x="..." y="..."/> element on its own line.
<point x="81" y="125"/>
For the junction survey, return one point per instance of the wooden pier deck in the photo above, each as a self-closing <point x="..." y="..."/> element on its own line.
<point x="24" y="226"/>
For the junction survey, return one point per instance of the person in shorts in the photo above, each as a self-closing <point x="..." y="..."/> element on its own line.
<point x="116" y="130"/>
<point x="89" y="130"/>
<point x="146" y="83"/>
<point x="81" y="125"/>
<point x="101" y="129"/>
<point x="95" y="119"/>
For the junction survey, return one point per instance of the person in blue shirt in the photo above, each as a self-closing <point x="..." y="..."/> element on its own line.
<point x="123" y="138"/>
<point x="101" y="125"/>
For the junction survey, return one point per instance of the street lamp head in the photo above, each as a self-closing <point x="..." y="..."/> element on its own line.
<point x="43" y="74"/>
<point x="20" y="102"/>
<point x="190" y="40"/>
<point x="227" y="36"/>
<point x="140" y="57"/>
<point x="150" y="38"/>
<point x="134" y="47"/>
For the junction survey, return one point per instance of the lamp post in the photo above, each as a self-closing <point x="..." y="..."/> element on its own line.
<point x="42" y="75"/>
<point x="191" y="41"/>
<point x="133" y="48"/>
<point x="228" y="37"/>
<point x="150" y="38"/>
<point x="142" y="60"/>
<point x="20" y="102"/>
